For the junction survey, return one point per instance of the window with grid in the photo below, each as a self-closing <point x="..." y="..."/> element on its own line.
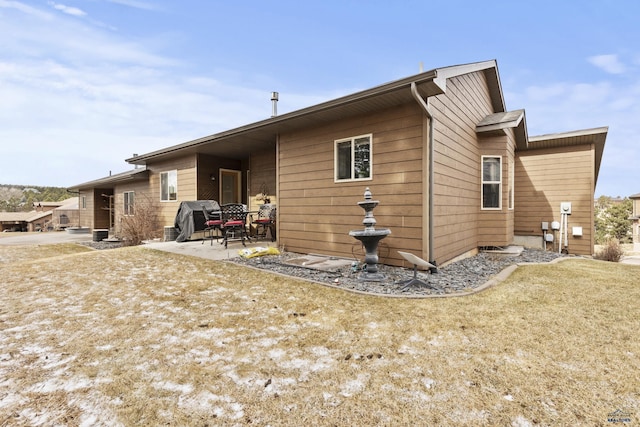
<point x="491" y="182"/>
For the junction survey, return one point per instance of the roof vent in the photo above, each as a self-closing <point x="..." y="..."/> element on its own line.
<point x="274" y="104"/>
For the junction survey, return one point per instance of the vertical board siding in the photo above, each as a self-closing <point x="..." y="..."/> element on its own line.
<point x="545" y="179"/>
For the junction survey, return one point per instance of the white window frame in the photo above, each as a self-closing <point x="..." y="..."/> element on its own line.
<point x="336" y="165"/>
<point x="128" y="202"/>
<point x="483" y="182"/>
<point x="168" y="175"/>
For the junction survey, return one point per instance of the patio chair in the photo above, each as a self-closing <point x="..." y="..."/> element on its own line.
<point x="266" y="220"/>
<point x="211" y="224"/>
<point x="234" y="218"/>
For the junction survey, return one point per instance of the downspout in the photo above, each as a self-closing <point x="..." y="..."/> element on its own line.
<point x="425" y="107"/>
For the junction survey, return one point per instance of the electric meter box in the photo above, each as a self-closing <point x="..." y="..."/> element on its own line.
<point x="545" y="226"/>
<point x="555" y="225"/>
<point x="548" y="237"/>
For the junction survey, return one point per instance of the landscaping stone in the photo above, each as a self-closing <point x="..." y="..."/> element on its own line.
<point x="458" y="277"/>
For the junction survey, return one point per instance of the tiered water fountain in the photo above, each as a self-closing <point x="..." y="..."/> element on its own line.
<point x="370" y="237"/>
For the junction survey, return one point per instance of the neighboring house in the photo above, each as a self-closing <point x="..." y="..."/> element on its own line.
<point x="103" y="202"/>
<point x="453" y="170"/>
<point x="14" y="221"/>
<point x="64" y="216"/>
<point x="635" y="220"/>
<point x="41" y="218"/>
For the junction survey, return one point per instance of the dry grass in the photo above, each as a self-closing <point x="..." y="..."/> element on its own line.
<point x="138" y="337"/>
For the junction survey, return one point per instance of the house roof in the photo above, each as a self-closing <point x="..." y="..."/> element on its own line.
<point x="635" y="196"/>
<point x="54" y="204"/>
<point x="109" y="181"/>
<point x="15" y="216"/>
<point x="595" y="136"/>
<point x="235" y="143"/>
<point x="498" y="122"/>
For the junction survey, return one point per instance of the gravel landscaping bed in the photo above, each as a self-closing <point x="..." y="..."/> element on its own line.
<point x="458" y="277"/>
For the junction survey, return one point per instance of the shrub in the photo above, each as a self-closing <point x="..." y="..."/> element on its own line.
<point x="612" y="251"/>
<point x="142" y="225"/>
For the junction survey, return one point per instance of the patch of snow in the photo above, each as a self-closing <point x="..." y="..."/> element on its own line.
<point x="267" y="342"/>
<point x="508" y="397"/>
<point x="436" y="342"/>
<point x="428" y="383"/>
<point x="104" y="347"/>
<point x="276" y="353"/>
<point x="320" y="351"/>
<point x="171" y="386"/>
<point x="354" y="386"/>
<point x="56" y="384"/>
<point x="404" y="349"/>
<point x="521" y="421"/>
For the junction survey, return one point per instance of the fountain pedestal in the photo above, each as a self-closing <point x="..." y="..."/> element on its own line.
<point x="370" y="238"/>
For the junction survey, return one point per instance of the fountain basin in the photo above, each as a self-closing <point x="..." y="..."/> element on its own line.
<point x="370" y="240"/>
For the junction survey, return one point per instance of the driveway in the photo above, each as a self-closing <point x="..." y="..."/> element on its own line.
<point x="46" y="238"/>
<point x="631" y="259"/>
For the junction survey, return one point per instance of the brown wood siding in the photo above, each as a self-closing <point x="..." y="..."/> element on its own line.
<point x="545" y="178"/>
<point x="495" y="227"/>
<point x="142" y="195"/>
<point x="262" y="174"/>
<point x="457" y="165"/>
<point x="316" y="213"/>
<point x="187" y="188"/>
<point x="86" y="214"/>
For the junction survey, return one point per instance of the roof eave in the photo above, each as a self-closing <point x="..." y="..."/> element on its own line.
<point x="429" y="83"/>
<point x="133" y="175"/>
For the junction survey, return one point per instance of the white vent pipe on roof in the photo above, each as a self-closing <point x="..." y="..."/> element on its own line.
<point x="274" y="104"/>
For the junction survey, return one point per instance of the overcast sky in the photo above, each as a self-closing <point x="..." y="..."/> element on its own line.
<point x="84" y="84"/>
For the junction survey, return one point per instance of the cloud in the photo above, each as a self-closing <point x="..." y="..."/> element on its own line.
<point x="24" y="9"/>
<point x="69" y="10"/>
<point x="135" y="4"/>
<point x="609" y="63"/>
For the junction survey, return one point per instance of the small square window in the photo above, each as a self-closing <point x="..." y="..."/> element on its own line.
<point x="353" y="158"/>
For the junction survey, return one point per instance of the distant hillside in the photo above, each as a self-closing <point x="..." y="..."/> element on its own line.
<point x="20" y="198"/>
